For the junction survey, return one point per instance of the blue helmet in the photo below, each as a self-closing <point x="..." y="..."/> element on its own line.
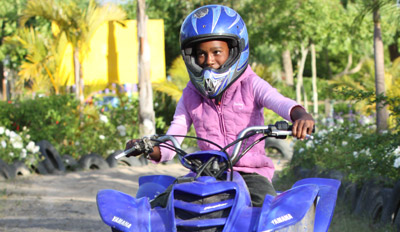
<point x="209" y="23"/>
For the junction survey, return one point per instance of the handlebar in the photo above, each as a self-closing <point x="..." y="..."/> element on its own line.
<point x="279" y="130"/>
<point x="148" y="144"/>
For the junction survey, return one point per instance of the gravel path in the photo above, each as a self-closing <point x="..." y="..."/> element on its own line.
<point x="67" y="202"/>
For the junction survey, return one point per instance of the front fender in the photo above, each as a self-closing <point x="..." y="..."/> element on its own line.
<point x="123" y="212"/>
<point x="327" y="195"/>
<point x="288" y="208"/>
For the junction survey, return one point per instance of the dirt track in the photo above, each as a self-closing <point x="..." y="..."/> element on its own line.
<point x="67" y="202"/>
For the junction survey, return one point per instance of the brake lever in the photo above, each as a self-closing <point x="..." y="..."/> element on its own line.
<point x="125" y="153"/>
<point x="145" y="145"/>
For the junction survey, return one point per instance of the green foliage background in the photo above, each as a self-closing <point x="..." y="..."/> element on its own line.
<point x="57" y="119"/>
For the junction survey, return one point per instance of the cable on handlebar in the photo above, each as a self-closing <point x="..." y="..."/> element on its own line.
<point x="249" y="147"/>
<point x="231" y="144"/>
<point x="171" y="147"/>
<point x="241" y="139"/>
<point x="203" y="168"/>
<point x="198" y="138"/>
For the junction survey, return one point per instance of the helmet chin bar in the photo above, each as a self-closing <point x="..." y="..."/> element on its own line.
<point x="211" y="85"/>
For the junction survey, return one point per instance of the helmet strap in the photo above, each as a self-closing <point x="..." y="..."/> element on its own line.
<point x="218" y="99"/>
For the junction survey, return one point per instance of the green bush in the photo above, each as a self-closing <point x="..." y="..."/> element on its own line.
<point x="58" y="120"/>
<point x="353" y="148"/>
<point x="105" y="131"/>
<point x="351" y="144"/>
<point x="51" y="118"/>
<point x="16" y="146"/>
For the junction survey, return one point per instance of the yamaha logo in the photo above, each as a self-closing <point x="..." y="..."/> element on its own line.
<point x="122" y="222"/>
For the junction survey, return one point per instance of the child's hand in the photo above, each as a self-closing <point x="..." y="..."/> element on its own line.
<point x="155" y="155"/>
<point x="129" y="145"/>
<point x="303" y="122"/>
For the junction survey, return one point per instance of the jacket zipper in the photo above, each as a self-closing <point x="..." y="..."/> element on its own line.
<point x="221" y="119"/>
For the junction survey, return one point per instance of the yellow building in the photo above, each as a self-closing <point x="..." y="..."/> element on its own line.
<point x="113" y="56"/>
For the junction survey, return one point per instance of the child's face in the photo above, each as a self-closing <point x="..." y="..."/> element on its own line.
<point x="212" y="54"/>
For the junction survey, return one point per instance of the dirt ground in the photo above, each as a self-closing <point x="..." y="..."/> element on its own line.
<point x="42" y="203"/>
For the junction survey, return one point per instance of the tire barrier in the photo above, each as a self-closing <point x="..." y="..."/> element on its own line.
<point x="6" y="171"/>
<point x="350" y="195"/>
<point x="282" y="146"/>
<point x="396" y="222"/>
<point x="52" y="160"/>
<point x="123" y="161"/>
<point x="333" y="174"/>
<point x="302" y="172"/>
<point x="20" y="169"/>
<point x="390" y="213"/>
<point x="368" y="193"/>
<point x="378" y="205"/>
<point x="93" y="161"/>
<point x="342" y="190"/>
<point x="39" y="168"/>
<point x="70" y="163"/>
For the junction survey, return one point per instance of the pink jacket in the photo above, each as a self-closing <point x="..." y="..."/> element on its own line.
<point x="241" y="106"/>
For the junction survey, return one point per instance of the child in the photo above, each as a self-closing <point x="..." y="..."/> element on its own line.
<point x="224" y="95"/>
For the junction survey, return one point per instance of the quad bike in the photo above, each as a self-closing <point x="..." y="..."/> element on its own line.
<point x="212" y="197"/>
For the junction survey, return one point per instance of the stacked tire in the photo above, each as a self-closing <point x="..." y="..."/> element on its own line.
<point x="391" y="214"/>
<point x="93" y="161"/>
<point x="52" y="162"/>
<point x="6" y="171"/>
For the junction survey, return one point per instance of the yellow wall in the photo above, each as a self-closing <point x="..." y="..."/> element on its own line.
<point x="113" y="55"/>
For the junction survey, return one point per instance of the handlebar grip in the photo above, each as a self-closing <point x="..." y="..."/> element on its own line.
<point x="291" y="127"/>
<point x="136" y="146"/>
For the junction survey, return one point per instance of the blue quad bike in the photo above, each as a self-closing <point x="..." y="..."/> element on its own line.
<point x="214" y="198"/>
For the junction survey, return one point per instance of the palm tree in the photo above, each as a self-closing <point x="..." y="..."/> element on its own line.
<point x="178" y="78"/>
<point x="381" y="109"/>
<point x="78" y="24"/>
<point x="43" y="60"/>
<point x="374" y="7"/>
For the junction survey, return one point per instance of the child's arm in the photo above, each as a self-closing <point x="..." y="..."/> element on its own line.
<point x="179" y="126"/>
<point x="269" y="97"/>
<point x="303" y="122"/>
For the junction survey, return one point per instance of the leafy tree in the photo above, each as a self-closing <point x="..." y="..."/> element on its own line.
<point x="173" y="12"/>
<point x="375" y="7"/>
<point x="42" y="65"/>
<point x="9" y="57"/>
<point x="290" y="26"/>
<point x="146" y="109"/>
